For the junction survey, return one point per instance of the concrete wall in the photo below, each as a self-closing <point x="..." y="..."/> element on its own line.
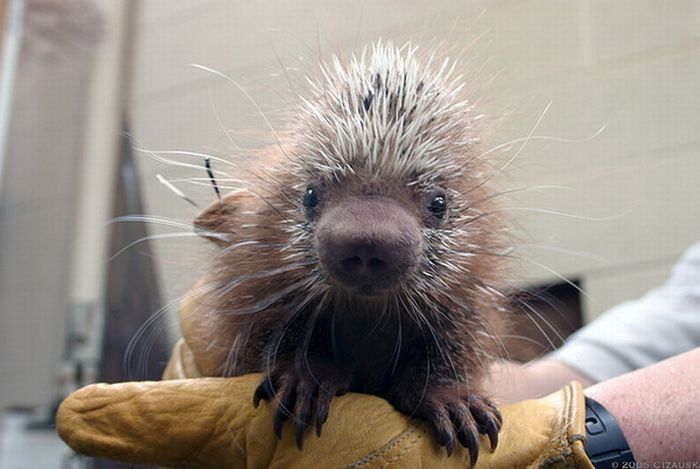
<point x="38" y="206"/>
<point x="56" y="187"/>
<point x="613" y="209"/>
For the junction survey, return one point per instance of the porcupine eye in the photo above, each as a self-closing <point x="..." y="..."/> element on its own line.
<point x="311" y="198"/>
<point x="438" y="205"/>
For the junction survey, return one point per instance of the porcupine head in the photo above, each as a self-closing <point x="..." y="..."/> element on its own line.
<point x="362" y="253"/>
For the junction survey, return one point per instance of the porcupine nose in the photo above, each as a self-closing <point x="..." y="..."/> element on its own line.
<point x="368" y="244"/>
<point x="371" y="259"/>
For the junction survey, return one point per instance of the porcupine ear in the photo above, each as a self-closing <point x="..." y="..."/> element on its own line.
<point x="221" y="221"/>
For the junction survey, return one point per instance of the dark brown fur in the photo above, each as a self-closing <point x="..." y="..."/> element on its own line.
<point x="269" y="305"/>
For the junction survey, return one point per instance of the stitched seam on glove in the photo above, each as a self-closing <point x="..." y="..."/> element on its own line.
<point x="565" y="439"/>
<point x="384" y="449"/>
<point x="402" y="452"/>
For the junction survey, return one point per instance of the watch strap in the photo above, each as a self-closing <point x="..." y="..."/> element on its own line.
<point x="606" y="446"/>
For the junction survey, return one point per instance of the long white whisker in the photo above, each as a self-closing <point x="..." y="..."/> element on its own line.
<point x="175" y="190"/>
<point x="571" y="252"/>
<point x="152" y="237"/>
<point x="155" y="317"/>
<point x="548" y="138"/>
<point x="149" y="219"/>
<point x="565" y="214"/>
<point x="546" y="322"/>
<point x="557" y="274"/>
<point x="217" y="116"/>
<point x="191" y="153"/>
<point x="248" y="96"/>
<point x="180" y="164"/>
<point x="194" y="182"/>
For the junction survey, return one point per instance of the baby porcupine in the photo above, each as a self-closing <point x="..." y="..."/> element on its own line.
<point x="363" y="255"/>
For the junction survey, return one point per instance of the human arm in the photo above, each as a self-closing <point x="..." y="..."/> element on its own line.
<point x="657" y="409"/>
<point x="632" y="335"/>
<point x="510" y="382"/>
<point x="655" y="406"/>
<point x="635" y="334"/>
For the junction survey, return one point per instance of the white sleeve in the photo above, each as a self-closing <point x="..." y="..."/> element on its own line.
<point x="635" y="334"/>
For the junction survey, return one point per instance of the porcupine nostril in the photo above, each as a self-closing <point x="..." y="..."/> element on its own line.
<point x="365" y="264"/>
<point x="353" y="264"/>
<point x="377" y="265"/>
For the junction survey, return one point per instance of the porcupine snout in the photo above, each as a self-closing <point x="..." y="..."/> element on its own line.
<point x="368" y="244"/>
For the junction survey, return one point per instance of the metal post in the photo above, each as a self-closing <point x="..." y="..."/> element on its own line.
<point x="10" y="58"/>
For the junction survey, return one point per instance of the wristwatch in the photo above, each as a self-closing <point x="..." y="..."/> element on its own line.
<point x="606" y="446"/>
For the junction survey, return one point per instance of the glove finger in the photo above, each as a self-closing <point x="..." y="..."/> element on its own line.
<point x="134" y="422"/>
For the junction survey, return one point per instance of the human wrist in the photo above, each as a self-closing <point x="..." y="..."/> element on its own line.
<point x="656" y="409"/>
<point x="622" y="407"/>
<point x="605" y="445"/>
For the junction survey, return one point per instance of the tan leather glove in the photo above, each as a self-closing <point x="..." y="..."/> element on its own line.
<point x="211" y="422"/>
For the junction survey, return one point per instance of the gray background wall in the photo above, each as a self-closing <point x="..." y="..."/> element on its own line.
<point x="40" y="187"/>
<point x="619" y="206"/>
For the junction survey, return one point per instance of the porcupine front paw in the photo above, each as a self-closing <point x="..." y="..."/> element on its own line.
<point x="297" y="391"/>
<point x="453" y="414"/>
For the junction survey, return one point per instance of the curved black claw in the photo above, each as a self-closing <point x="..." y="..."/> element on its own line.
<point x="263" y="391"/>
<point x="487" y="417"/>
<point x="454" y="417"/>
<point x="466" y="429"/>
<point x="298" y="392"/>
